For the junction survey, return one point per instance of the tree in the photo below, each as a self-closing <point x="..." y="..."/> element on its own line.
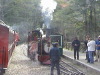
<point x="21" y="15"/>
<point x="75" y="16"/>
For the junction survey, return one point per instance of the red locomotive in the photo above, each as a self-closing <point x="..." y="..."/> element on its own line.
<point x="7" y="45"/>
<point x="39" y="43"/>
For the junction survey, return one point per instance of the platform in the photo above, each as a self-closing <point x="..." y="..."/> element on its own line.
<point x="93" y="68"/>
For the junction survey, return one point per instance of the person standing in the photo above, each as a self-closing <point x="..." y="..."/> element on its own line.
<point x="98" y="49"/>
<point x="91" y="49"/>
<point x="76" y="46"/>
<point x="86" y="47"/>
<point x="55" y="58"/>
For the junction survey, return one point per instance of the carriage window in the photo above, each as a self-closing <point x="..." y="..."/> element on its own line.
<point x="56" y="38"/>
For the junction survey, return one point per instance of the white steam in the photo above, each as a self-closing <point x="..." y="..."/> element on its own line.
<point x="48" y="7"/>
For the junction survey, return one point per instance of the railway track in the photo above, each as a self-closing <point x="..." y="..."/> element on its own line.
<point x="68" y="69"/>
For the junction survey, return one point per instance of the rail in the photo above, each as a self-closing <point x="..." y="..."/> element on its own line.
<point x="67" y="69"/>
<point x="68" y="45"/>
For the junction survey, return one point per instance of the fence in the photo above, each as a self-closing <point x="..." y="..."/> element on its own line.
<point x="68" y="45"/>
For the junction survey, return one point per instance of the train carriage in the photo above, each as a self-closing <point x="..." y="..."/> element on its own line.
<point x="7" y="45"/>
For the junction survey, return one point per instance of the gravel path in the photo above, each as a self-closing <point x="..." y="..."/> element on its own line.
<point x="20" y="64"/>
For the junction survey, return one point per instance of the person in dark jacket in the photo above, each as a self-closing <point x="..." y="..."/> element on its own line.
<point x="76" y="46"/>
<point x="55" y="58"/>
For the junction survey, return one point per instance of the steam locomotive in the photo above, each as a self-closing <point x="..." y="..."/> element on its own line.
<point x="40" y="43"/>
<point x="7" y="45"/>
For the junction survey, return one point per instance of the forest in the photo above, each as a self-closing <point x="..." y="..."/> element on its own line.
<point x="70" y="18"/>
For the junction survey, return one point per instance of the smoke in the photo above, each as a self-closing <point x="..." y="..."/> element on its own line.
<point x="22" y="28"/>
<point x="48" y="7"/>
